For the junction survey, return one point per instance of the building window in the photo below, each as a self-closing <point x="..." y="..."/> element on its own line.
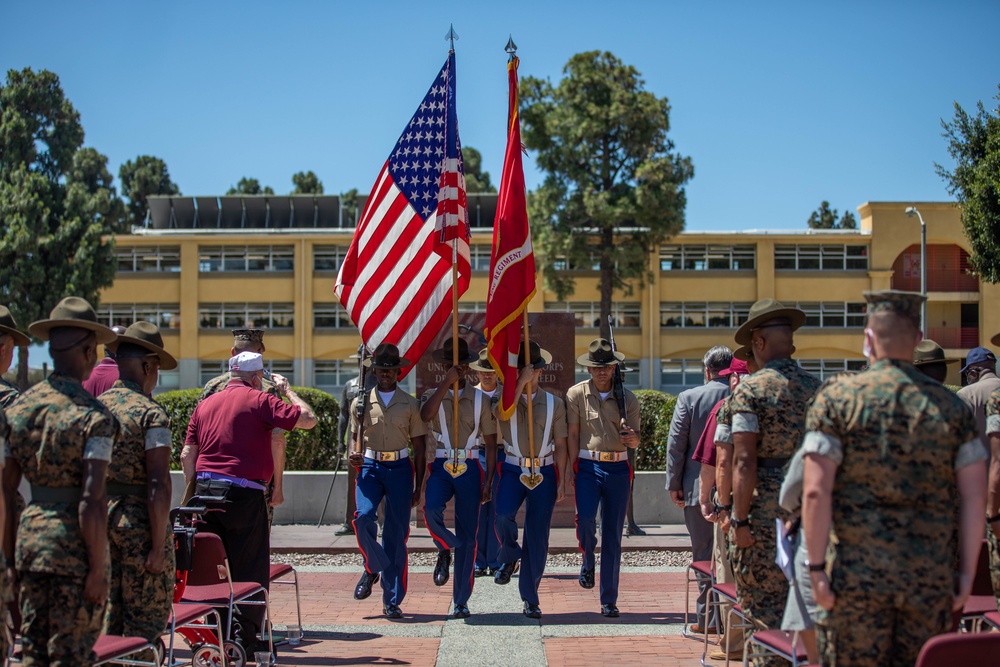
<point x="821" y="257"/>
<point x="676" y="375"/>
<point x="472" y="306"/>
<point x="833" y="315"/>
<point x="825" y="368"/>
<point x="245" y="315"/>
<point x="163" y="315"/>
<point x="167" y="381"/>
<point x="696" y="315"/>
<point x="241" y="259"/>
<point x="328" y="257"/>
<point x="331" y="316"/>
<point x="589" y="261"/>
<point x="588" y="313"/>
<point x="331" y="376"/>
<point x="695" y="257"/>
<point x="211" y="369"/>
<point x="479" y="256"/>
<point x="148" y="259"/>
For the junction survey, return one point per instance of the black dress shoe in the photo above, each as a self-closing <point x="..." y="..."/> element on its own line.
<point x="635" y="530"/>
<point x="365" y="583"/>
<point x="480" y="572"/>
<point x="392" y="611"/>
<point x="494" y="570"/>
<point x="462" y="611"/>
<point x="346" y="529"/>
<point x="504" y="574"/>
<point x="532" y="610"/>
<point x="586" y="578"/>
<point x="609" y="610"/>
<point x="441" y="573"/>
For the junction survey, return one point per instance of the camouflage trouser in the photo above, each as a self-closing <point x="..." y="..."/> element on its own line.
<point x="994" y="562"/>
<point x="761" y="587"/>
<point x="58" y="626"/>
<point x="139" y="602"/>
<point x="880" y="629"/>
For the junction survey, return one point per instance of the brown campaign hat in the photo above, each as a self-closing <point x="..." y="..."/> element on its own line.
<point x="147" y="336"/>
<point x="763" y="313"/>
<point x="928" y="352"/>
<point x="72" y="312"/>
<point x="386" y="356"/>
<point x="483" y="364"/>
<point x="9" y="326"/>
<point x="744" y="353"/>
<point x="600" y="354"/>
<point x="539" y="358"/>
<point x="447" y="351"/>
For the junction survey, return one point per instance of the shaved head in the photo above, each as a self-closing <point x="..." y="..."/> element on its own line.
<point x="894" y="336"/>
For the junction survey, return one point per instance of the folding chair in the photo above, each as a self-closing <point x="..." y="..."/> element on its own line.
<point x="210" y="583"/>
<point x="187" y="616"/>
<point x="775" y="642"/>
<point x="954" y="648"/>
<point x="115" y="650"/>
<point x="992" y="619"/>
<point x="975" y="608"/>
<point x="702" y="573"/>
<point x="726" y="594"/>
<point x="280" y="570"/>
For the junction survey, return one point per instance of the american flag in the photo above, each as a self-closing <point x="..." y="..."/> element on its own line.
<point x="396" y="280"/>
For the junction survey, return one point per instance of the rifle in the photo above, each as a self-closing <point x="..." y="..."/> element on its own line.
<point x="619" y="381"/>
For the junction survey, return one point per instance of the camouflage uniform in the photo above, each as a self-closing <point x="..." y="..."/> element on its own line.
<point x="139" y="602"/>
<point x="772" y="403"/>
<point x="893" y="509"/>
<point x="993" y="430"/>
<point x="8" y="393"/>
<point x="219" y="383"/>
<point x="53" y="427"/>
<point x="5" y="589"/>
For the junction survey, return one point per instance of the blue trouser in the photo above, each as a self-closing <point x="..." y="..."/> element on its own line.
<point x="488" y="549"/>
<point x="392" y="480"/>
<point x="607" y="484"/>
<point x="467" y="490"/>
<point x="511" y="495"/>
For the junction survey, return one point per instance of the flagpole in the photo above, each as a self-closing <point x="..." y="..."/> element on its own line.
<point x="531" y="420"/>
<point x="454" y="341"/>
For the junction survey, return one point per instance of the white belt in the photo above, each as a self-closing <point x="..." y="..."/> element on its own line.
<point x="462" y="453"/>
<point x="387" y="456"/>
<point x="605" y="457"/>
<point x="536" y="462"/>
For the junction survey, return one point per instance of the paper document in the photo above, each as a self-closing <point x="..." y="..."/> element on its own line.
<point x="785" y="558"/>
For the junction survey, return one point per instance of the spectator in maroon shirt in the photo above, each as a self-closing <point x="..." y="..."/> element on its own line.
<point x="228" y="450"/>
<point x="105" y="373"/>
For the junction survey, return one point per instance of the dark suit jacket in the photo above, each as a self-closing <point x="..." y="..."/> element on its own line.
<point x="690" y="414"/>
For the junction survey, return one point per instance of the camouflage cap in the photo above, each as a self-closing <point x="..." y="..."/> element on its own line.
<point x="249" y="335"/>
<point x="906" y="304"/>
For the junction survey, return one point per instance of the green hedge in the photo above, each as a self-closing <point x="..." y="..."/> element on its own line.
<point x="656" y="409"/>
<point x="314" y="449"/>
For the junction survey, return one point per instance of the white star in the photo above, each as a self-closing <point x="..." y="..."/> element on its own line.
<point x="423" y="106"/>
<point x="439" y="136"/>
<point x="427" y="166"/>
<point x="419" y="136"/>
<point x="427" y="180"/>
<point x="408" y="137"/>
<point x="420" y="120"/>
<point x="406" y="151"/>
<point x="444" y="74"/>
<point x="403" y="181"/>
<point x="438" y="151"/>
<point x="427" y="211"/>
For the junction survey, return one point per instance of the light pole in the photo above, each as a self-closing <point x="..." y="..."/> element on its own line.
<point x="910" y="212"/>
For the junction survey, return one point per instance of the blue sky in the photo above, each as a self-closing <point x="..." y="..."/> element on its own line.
<point x="780" y="105"/>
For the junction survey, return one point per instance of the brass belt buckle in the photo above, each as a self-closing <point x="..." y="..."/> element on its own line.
<point x="606" y="457"/>
<point x="386" y="456"/>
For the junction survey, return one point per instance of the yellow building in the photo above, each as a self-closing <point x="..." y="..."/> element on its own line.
<point x="205" y="265"/>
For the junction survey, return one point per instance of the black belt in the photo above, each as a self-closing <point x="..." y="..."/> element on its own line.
<point x="771" y="463"/>
<point x="56" y="494"/>
<point x="119" y="489"/>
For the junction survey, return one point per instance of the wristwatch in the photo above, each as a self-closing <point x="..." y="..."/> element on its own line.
<point x="993" y="519"/>
<point x="817" y="567"/>
<point x="723" y="508"/>
<point x="740" y="523"/>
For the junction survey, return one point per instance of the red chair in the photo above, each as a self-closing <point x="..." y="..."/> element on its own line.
<point x="702" y="573"/>
<point x="976" y="607"/>
<point x="118" y="650"/>
<point x="277" y="576"/>
<point x="196" y="616"/>
<point x="992" y="619"/>
<point x="775" y="642"/>
<point x="210" y="583"/>
<point x="726" y="594"/>
<point x="951" y="649"/>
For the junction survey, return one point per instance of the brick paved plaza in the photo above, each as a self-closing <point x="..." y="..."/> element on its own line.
<point x="342" y="631"/>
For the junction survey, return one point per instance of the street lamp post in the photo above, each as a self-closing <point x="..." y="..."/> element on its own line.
<point x="911" y="212"/>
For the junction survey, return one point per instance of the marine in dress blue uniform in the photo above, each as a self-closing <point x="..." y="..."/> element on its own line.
<point x="487" y="543"/>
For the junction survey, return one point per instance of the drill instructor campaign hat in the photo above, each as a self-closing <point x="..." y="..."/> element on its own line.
<point x="9" y="326"/>
<point x="483" y="364"/>
<point x="72" y="312"/>
<point x="600" y="354"/>
<point x="147" y="336"/>
<point x="445" y="354"/>
<point x="764" y="313"/>
<point x="539" y="358"/>
<point x="928" y="352"/>
<point x="386" y="357"/>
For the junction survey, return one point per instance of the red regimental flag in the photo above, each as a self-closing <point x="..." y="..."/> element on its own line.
<point x="396" y="279"/>
<point x="512" y="265"/>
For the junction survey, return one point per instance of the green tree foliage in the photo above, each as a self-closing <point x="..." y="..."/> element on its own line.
<point x="58" y="206"/>
<point x="146" y="175"/>
<point x="614" y="186"/>
<point x="349" y="206"/>
<point x="249" y="186"/>
<point x="307" y="183"/>
<point x="974" y="145"/>
<point x="656" y="409"/>
<point x="476" y="180"/>
<point x="315" y="449"/>
<point x="826" y="218"/>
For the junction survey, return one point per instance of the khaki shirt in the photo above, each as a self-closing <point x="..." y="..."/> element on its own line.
<point x="466" y="416"/>
<point x="599" y="419"/>
<point x="389" y="428"/>
<point x="520" y="420"/>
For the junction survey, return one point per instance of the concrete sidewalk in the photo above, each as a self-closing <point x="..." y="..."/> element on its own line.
<point x="310" y="539"/>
